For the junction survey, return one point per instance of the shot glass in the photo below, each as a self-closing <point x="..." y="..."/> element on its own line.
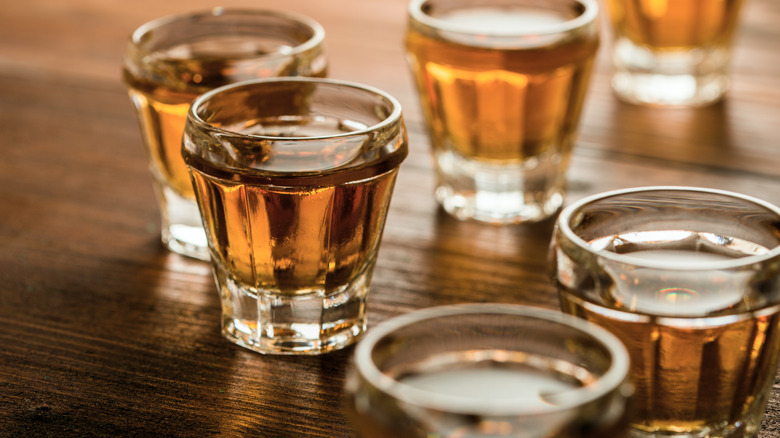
<point x="501" y="84"/>
<point x="672" y="53"/>
<point x="171" y="60"/>
<point x="293" y="178"/>
<point x="488" y="370"/>
<point x="688" y="279"/>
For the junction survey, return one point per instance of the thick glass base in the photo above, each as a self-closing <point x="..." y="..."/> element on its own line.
<point x="310" y="324"/>
<point x="695" y="77"/>
<point x="527" y="191"/>
<point x="182" y="229"/>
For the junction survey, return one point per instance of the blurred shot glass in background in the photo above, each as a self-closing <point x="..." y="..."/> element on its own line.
<point x="502" y="84"/>
<point x="294" y="177"/>
<point x="688" y="279"/>
<point x="672" y="52"/>
<point x="488" y="370"/>
<point x="171" y="60"/>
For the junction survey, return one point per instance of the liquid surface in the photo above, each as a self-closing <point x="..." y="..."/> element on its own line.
<point x="681" y="299"/>
<point x="297" y="155"/>
<point x="509" y="21"/>
<point x="684" y="259"/>
<point x="524" y="386"/>
<point x="683" y="277"/>
<point x="222" y="47"/>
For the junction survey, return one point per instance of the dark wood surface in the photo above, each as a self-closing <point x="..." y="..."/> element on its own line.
<point x="105" y="333"/>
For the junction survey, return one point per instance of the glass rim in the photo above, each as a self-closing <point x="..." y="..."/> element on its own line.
<point x="613" y="378"/>
<point x="394" y="116"/>
<point x="568" y="213"/>
<point x="317" y="38"/>
<point x="588" y="16"/>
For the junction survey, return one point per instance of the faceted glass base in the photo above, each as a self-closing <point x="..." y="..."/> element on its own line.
<point x="669" y="90"/>
<point x="310" y="324"/>
<point x="182" y="229"/>
<point x="527" y="191"/>
<point x="694" y="77"/>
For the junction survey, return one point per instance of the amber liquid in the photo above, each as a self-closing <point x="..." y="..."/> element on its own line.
<point x="675" y="24"/>
<point x="293" y="235"/>
<point x="162" y="106"/>
<point x="691" y="374"/>
<point x="501" y="104"/>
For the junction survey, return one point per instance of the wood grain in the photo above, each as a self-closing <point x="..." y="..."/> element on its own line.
<point x="105" y="333"/>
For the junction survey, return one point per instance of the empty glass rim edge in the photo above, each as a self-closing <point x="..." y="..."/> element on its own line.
<point x="589" y="15"/>
<point x="562" y="224"/>
<point x="391" y="118"/>
<point x="612" y="379"/>
<point x="318" y="35"/>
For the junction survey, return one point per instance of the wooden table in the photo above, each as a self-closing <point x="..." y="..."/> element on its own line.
<point x="104" y="332"/>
